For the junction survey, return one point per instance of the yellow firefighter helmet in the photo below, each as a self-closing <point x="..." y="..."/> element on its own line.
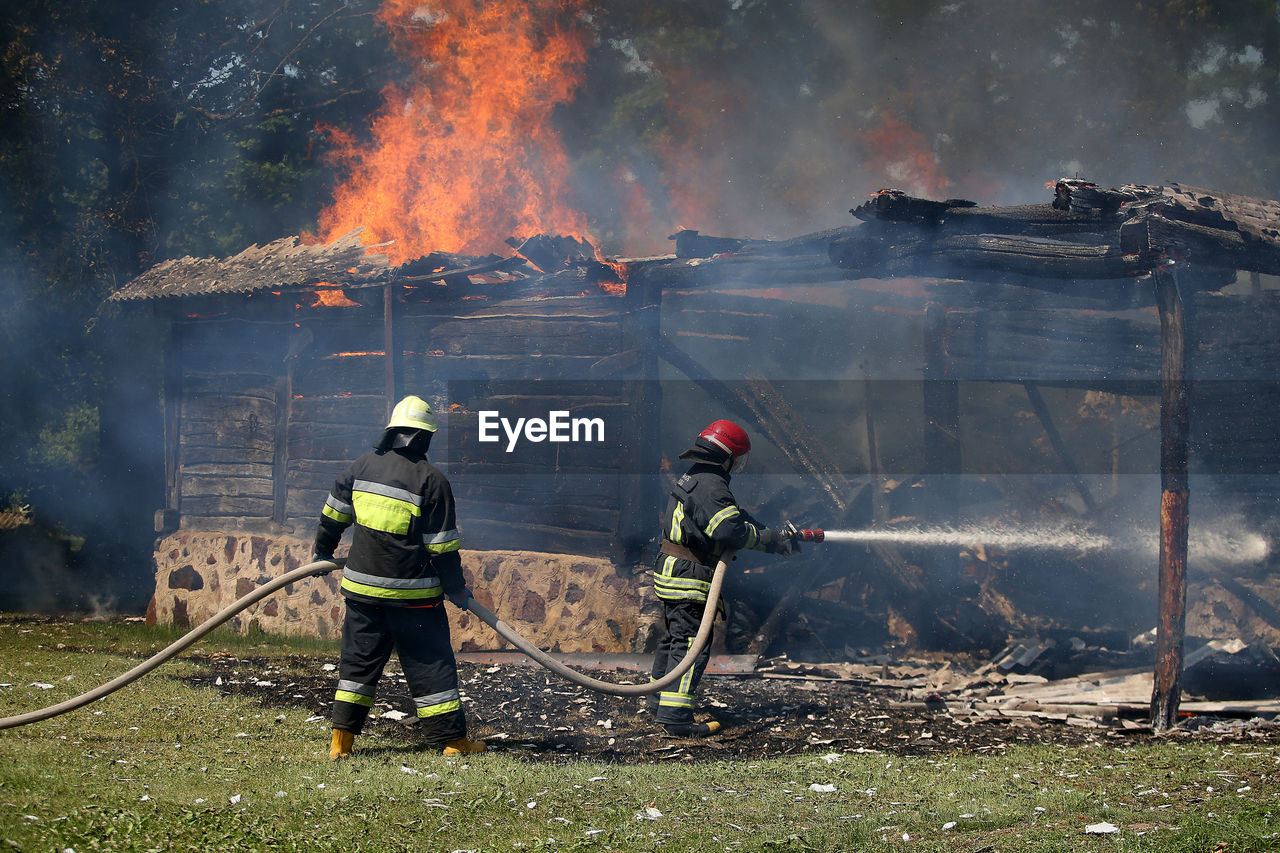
<point x="412" y="413"/>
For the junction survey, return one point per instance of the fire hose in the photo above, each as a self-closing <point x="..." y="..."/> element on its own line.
<point x="323" y="567"/>
<point x="487" y="616"/>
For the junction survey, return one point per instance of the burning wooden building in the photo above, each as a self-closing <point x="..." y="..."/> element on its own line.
<point x="870" y="359"/>
<point x="281" y="366"/>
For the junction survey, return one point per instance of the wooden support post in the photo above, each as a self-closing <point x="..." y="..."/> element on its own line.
<point x="392" y="375"/>
<point x="879" y="506"/>
<point x="942" y="465"/>
<point x="284" y="416"/>
<point x="941" y="414"/>
<point x="169" y="518"/>
<point x="642" y="495"/>
<point x="1167" y="691"/>
<point x="280" y="456"/>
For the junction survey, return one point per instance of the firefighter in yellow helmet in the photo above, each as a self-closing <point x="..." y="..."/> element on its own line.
<point x="702" y="522"/>
<point x="403" y="564"/>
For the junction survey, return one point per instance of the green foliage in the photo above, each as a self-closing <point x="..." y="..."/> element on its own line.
<point x="131" y="133"/>
<point x="17" y="504"/>
<point x="72" y="442"/>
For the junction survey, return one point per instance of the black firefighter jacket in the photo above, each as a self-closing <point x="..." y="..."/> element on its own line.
<point x="404" y="549"/>
<point x="704" y="517"/>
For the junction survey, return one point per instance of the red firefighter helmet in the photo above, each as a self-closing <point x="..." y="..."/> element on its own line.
<point x="727" y="436"/>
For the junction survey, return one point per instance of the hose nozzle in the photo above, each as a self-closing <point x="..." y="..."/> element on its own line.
<point x="803" y="534"/>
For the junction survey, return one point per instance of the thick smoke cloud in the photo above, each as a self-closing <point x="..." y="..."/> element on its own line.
<point x="750" y="118"/>
<point x="765" y="118"/>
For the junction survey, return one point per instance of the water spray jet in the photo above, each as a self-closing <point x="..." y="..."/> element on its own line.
<point x="1210" y="543"/>
<point x="1023" y="538"/>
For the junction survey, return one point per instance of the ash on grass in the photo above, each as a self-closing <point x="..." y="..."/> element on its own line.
<point x="524" y="710"/>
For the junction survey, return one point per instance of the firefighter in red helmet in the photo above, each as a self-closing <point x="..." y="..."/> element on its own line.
<point x="702" y="522"/>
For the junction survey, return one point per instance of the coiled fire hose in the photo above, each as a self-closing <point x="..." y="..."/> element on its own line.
<point x="323" y="567"/>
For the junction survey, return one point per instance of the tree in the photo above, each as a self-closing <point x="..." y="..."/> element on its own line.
<point x="131" y="132"/>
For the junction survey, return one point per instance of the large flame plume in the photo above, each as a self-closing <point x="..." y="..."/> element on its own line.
<point x="465" y="155"/>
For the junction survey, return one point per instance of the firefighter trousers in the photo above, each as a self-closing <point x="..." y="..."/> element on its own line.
<point x="679" y="626"/>
<point x="420" y="638"/>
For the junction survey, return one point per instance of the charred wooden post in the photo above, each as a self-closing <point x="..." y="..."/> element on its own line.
<point x="904" y="578"/>
<point x="941" y="413"/>
<point x="280" y="454"/>
<point x="167" y="518"/>
<point x="943" y="465"/>
<point x="392" y="376"/>
<point x="879" y="506"/>
<point x="1167" y="691"/>
<point x="641" y="490"/>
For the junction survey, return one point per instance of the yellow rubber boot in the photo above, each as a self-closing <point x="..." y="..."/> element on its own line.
<point x="463" y="746"/>
<point x="340" y="746"/>
<point x="706" y="729"/>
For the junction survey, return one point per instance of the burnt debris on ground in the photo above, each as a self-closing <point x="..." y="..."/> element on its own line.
<point x="784" y="708"/>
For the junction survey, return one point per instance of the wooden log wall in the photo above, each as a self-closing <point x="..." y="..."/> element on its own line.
<point x="337" y="402"/>
<point x="1232" y="365"/>
<point x="1235" y="390"/>
<point x="1047" y="345"/>
<point x="560" y="338"/>
<point x="557" y="353"/>
<point x="269" y="411"/>
<point x="227" y="416"/>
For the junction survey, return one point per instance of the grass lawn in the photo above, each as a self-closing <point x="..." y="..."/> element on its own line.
<point x="161" y="765"/>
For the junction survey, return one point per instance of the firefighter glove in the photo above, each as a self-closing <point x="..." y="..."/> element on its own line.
<point x="779" y="542"/>
<point x="319" y="558"/>
<point x="461" y="598"/>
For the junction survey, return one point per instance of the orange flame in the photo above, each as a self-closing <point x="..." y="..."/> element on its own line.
<point x="333" y="299"/>
<point x="465" y="156"/>
<point x="903" y="155"/>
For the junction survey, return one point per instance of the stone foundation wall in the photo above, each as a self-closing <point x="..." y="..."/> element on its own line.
<point x="562" y="602"/>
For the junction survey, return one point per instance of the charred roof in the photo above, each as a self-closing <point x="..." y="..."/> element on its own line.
<point x="286" y="263"/>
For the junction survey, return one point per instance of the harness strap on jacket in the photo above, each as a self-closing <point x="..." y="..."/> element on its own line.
<point x="680" y="552"/>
